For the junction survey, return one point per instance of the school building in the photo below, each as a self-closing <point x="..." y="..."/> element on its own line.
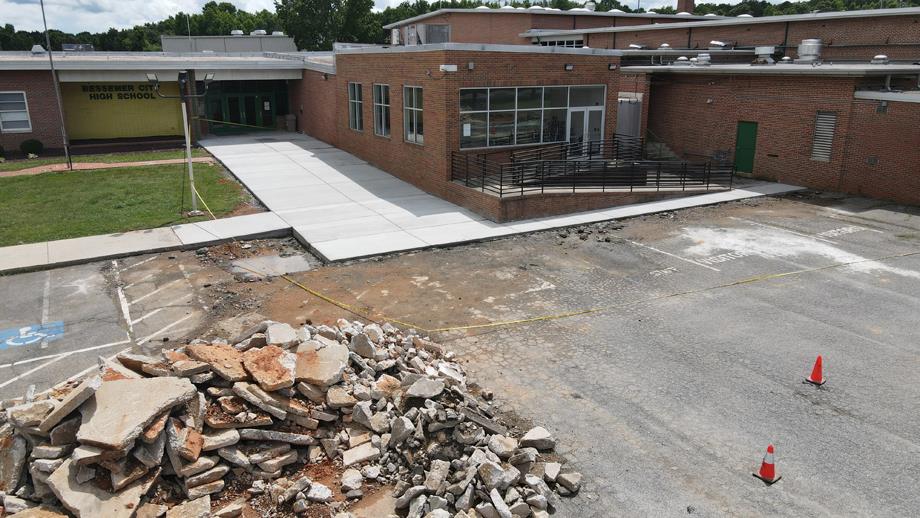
<point x="520" y="113"/>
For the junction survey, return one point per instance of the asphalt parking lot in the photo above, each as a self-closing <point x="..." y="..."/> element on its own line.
<point x="698" y="329"/>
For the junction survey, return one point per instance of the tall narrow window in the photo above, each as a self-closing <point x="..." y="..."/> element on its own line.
<point x="355" y="107"/>
<point x="14" y="113"/>
<point x="382" y="110"/>
<point x="413" y="126"/>
<point x="823" y="143"/>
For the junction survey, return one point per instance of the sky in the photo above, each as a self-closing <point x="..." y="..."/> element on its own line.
<point x="98" y="15"/>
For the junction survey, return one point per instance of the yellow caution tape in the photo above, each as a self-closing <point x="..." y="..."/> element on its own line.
<point x="235" y="124"/>
<point x="557" y="316"/>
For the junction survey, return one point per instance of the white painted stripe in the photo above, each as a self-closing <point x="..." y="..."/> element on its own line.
<point x="147" y="260"/>
<point x="161" y="288"/>
<point x="30" y="371"/>
<point x="46" y="306"/>
<point x="122" y="300"/>
<point x="188" y="279"/>
<point x="142" y="279"/>
<point x="163" y="330"/>
<point x="165" y="306"/>
<point x="783" y="229"/>
<point x="674" y="256"/>
<point x="66" y="353"/>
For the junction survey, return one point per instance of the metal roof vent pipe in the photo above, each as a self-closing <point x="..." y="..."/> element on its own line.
<point x="258" y="32"/>
<point x="664" y="46"/>
<point x="717" y="45"/>
<point x="682" y="61"/>
<point x="785" y="60"/>
<point x="809" y="51"/>
<point x="879" y="59"/>
<point x="236" y="32"/>
<point x="703" y="59"/>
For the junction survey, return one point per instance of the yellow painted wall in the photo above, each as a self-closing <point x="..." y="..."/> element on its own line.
<point x="120" y="110"/>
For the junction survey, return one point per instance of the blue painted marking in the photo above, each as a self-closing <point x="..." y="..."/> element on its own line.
<point x="28" y="335"/>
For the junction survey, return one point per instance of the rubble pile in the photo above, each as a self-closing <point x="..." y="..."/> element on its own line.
<point x="217" y="428"/>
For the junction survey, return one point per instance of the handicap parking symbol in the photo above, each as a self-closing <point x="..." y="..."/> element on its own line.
<point x="28" y="335"/>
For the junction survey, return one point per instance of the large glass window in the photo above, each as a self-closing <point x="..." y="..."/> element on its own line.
<point x="382" y="110"/>
<point x="524" y="115"/>
<point x="355" y="107"/>
<point x="413" y="124"/>
<point x="14" y="113"/>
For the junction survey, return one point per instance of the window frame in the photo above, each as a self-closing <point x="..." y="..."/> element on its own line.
<point x="25" y="101"/>
<point x="384" y="108"/>
<point x="417" y="113"/>
<point x="356" y="106"/>
<point x="428" y="35"/>
<point x="543" y="108"/>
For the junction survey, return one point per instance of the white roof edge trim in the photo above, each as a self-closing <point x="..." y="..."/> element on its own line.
<point x="538" y="11"/>
<point x="720" y="22"/>
<point x="483" y="47"/>
<point x="857" y="70"/>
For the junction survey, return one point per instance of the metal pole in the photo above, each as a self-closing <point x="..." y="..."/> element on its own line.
<point x="188" y="156"/>
<point x="57" y="89"/>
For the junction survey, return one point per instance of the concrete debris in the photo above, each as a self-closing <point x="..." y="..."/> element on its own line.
<point x="246" y="423"/>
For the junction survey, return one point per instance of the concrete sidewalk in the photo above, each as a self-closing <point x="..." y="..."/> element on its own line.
<point x="52" y="254"/>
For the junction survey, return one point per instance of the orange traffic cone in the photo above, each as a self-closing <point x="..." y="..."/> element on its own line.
<point x="767" y="471"/>
<point x="817" y="375"/>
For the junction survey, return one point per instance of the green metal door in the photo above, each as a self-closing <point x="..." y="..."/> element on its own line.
<point x="745" y="145"/>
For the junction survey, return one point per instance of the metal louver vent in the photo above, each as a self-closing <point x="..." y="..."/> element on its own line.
<point x="825" y="125"/>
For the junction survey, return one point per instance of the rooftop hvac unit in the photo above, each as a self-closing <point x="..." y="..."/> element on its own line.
<point x="636" y="46"/>
<point x="277" y="33"/>
<point x="717" y="45"/>
<point x="809" y="51"/>
<point x="590" y="6"/>
<point x="682" y="61"/>
<point x="258" y="32"/>
<point x="879" y="59"/>
<point x="703" y="59"/>
<point x="764" y="55"/>
<point x="38" y="49"/>
<point x="236" y="32"/>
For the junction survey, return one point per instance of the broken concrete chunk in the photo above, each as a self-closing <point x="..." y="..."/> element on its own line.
<point x="321" y="364"/>
<point x="271" y="367"/>
<point x="319" y="493"/>
<point x="276" y="463"/>
<point x="129" y="473"/>
<point x="87" y="500"/>
<point x="363" y="346"/>
<point x="219" y="439"/>
<point x="351" y="480"/>
<point x="539" y="438"/>
<point x="253" y="434"/>
<point x="338" y="397"/>
<point x="30" y="414"/>
<point x="205" y="489"/>
<point x="215" y="473"/>
<point x="242" y="390"/>
<point x="410" y="495"/>
<point x="224" y="360"/>
<point x="13" y="453"/>
<point x="199" y="466"/>
<point x="494" y="476"/>
<point x="198" y="508"/>
<point x="437" y="474"/>
<point x="502" y="446"/>
<point x="425" y="388"/>
<point x="122" y="409"/>
<point x="154" y="429"/>
<point x="363" y="453"/>
<point x="190" y="442"/>
<point x="71" y="401"/>
<point x="570" y="481"/>
<point x="65" y="432"/>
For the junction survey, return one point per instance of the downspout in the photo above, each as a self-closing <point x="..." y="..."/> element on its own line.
<point x="689" y="36"/>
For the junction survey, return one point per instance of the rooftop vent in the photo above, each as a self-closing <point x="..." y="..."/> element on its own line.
<point x="615" y="11"/>
<point x="785" y="60"/>
<point x="764" y="55"/>
<point x="258" y="32"/>
<point x="536" y="8"/>
<point x="879" y="59"/>
<point x="682" y="61"/>
<point x="744" y="16"/>
<point x="277" y="33"/>
<point x="636" y="46"/>
<point x="236" y="32"/>
<point x="664" y="46"/>
<point x="591" y="6"/>
<point x="683" y="13"/>
<point x="717" y="45"/>
<point x="809" y="51"/>
<point x="710" y="14"/>
<point x="703" y="59"/>
<point x="38" y="49"/>
<point x="481" y="7"/>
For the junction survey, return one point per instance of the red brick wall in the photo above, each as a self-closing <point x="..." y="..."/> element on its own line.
<point x="892" y="141"/>
<point x="43" y="110"/>
<point x="784" y="109"/>
<point x="428" y="166"/>
<point x="313" y="101"/>
<point x="698" y="116"/>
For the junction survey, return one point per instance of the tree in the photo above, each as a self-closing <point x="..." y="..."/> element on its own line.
<point x="313" y="24"/>
<point x="359" y="24"/>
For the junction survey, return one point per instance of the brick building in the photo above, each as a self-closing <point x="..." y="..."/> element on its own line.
<point x="519" y="113"/>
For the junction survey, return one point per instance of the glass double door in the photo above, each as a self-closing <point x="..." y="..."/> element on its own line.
<point x="586" y="128"/>
<point x="244" y="109"/>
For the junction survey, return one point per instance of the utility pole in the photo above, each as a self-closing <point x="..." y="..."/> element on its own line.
<point x="57" y="89"/>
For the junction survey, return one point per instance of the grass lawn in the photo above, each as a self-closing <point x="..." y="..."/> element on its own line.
<point x="62" y="205"/>
<point x="107" y="158"/>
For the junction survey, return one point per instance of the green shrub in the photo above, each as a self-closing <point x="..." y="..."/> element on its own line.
<point x="32" y="146"/>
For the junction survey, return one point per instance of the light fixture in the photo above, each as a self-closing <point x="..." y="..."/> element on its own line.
<point x="152" y="79"/>
<point x="569" y="67"/>
<point x="208" y="77"/>
<point x="611" y="66"/>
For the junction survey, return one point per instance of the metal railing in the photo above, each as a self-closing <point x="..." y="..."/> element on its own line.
<point x="587" y="173"/>
<point x="617" y="147"/>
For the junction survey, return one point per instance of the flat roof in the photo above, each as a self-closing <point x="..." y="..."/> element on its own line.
<point x="722" y="22"/>
<point x="580" y="11"/>
<point x="480" y="47"/>
<point x="781" y="69"/>
<point x="18" y="60"/>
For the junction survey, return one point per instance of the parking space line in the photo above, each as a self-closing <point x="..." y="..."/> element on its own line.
<point x="142" y="279"/>
<point x="674" y="256"/>
<point x="774" y="227"/>
<point x="28" y="372"/>
<point x="165" y="306"/>
<point x="164" y="329"/>
<point x="161" y="288"/>
<point x="122" y="300"/>
<point x="147" y="260"/>
<point x="76" y="351"/>
<point x="46" y="306"/>
<point x="188" y="279"/>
